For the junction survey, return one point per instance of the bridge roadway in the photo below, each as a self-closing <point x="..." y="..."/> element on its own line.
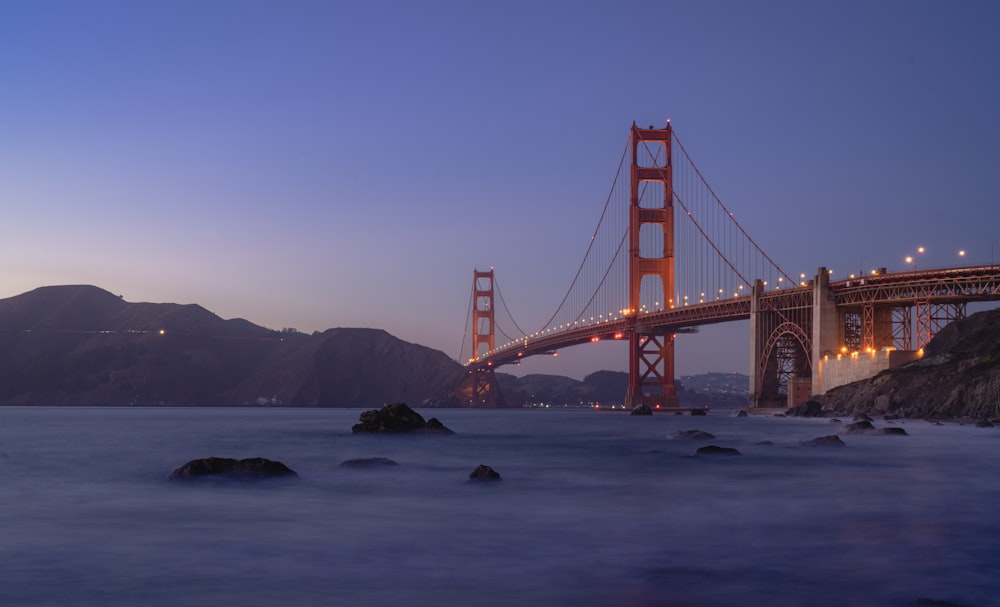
<point x="935" y="286"/>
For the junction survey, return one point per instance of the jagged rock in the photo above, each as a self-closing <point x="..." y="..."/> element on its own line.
<point x="641" y="410"/>
<point x="691" y="434"/>
<point x="368" y="462"/>
<point x="810" y="408"/>
<point x="716" y="450"/>
<point x="484" y="473"/>
<point x="862" y="417"/>
<point x="831" y="440"/>
<point x="699" y="412"/>
<point x="835" y="421"/>
<point x="984" y="424"/>
<point x="892" y="431"/>
<point x="246" y="469"/>
<point x="742" y="413"/>
<point x="862" y="427"/>
<point x="397" y="418"/>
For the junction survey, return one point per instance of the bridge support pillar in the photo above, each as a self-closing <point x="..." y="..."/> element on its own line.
<point x="827" y="331"/>
<point x="484" y="382"/>
<point x="756" y="345"/>
<point x="651" y="354"/>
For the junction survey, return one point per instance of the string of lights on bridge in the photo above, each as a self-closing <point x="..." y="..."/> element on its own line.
<point x="711" y="250"/>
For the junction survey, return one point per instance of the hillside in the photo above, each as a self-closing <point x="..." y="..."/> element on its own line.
<point x="82" y="345"/>
<point x="958" y="377"/>
<point x="714" y="390"/>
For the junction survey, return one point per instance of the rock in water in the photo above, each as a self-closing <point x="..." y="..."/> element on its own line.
<point x="484" y="473"/>
<point x="716" y="450"/>
<point x="641" y="410"/>
<point x="397" y="418"/>
<point x="436" y="427"/>
<point x="691" y="434"/>
<point x="699" y="412"/>
<point x="252" y="468"/>
<point x="892" y="431"/>
<point x="860" y="427"/>
<point x="810" y="408"/>
<point x="831" y="440"/>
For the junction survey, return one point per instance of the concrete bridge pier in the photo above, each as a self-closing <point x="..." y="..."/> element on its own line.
<point x="827" y="329"/>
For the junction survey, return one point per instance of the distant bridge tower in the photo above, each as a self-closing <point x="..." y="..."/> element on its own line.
<point x="651" y="352"/>
<point x="484" y="382"/>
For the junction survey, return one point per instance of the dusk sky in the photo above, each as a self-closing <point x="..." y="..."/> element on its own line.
<point x="348" y="164"/>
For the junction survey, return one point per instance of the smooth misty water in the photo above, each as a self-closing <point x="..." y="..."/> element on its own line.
<point x="596" y="508"/>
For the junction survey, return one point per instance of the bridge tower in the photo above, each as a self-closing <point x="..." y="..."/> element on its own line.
<point x="484" y="382"/>
<point x="651" y="352"/>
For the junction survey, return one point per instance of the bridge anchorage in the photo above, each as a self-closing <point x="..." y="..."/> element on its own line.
<point x="687" y="262"/>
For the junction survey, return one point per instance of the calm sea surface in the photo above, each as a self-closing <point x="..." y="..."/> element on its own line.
<point x="596" y="508"/>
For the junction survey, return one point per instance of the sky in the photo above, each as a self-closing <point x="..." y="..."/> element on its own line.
<point x="316" y="164"/>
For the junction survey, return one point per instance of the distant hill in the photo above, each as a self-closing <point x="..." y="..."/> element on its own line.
<point x="82" y="345"/>
<point x="715" y="390"/>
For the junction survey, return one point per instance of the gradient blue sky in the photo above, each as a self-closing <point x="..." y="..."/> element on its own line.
<point x="325" y="164"/>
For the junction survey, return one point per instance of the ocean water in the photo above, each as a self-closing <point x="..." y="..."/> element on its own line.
<point x="595" y="508"/>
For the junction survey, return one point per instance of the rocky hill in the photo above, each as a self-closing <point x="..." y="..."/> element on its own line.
<point x="83" y="345"/>
<point x="958" y="377"/>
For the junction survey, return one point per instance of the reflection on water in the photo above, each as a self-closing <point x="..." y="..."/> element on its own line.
<point x="596" y="508"/>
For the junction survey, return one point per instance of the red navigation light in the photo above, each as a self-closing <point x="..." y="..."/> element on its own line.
<point x="595" y="338"/>
<point x="520" y="353"/>
<point x="657" y="405"/>
<point x="555" y="354"/>
<point x="619" y="335"/>
<point x="597" y="405"/>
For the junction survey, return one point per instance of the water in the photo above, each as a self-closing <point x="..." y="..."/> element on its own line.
<point x="596" y="508"/>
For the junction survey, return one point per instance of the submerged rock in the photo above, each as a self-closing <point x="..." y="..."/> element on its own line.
<point x="699" y="412"/>
<point x="226" y="467"/>
<point x="484" y="473"/>
<point x="716" y="450"/>
<point x="983" y="423"/>
<point x="691" y="434"/>
<point x="742" y="413"/>
<point x="397" y="418"/>
<point x="641" y="410"/>
<point x="831" y="440"/>
<point x="892" y="431"/>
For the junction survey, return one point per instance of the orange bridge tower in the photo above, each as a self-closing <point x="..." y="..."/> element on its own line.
<point x="651" y="351"/>
<point x="484" y="382"/>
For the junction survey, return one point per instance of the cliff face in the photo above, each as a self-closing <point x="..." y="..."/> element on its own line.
<point x="959" y="377"/>
<point x="83" y="345"/>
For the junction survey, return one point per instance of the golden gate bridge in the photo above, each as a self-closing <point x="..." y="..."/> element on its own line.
<point x="667" y="256"/>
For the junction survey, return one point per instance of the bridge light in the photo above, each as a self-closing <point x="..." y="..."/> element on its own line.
<point x="595" y="339"/>
<point x="920" y="249"/>
<point x="961" y="253"/>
